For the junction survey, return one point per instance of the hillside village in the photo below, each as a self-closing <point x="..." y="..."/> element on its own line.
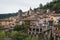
<point x="43" y="23"/>
<point x="40" y="21"/>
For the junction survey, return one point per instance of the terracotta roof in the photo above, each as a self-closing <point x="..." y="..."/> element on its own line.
<point x="55" y="15"/>
<point x="5" y="20"/>
<point x="45" y="16"/>
<point x="17" y="21"/>
<point x="34" y="17"/>
<point x="30" y="19"/>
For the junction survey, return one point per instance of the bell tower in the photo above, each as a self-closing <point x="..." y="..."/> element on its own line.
<point x="30" y="11"/>
<point x="20" y="14"/>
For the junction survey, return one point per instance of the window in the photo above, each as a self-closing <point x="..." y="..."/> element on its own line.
<point x="33" y="29"/>
<point x="29" y="29"/>
<point x="40" y="29"/>
<point x="12" y="24"/>
<point x="37" y="30"/>
<point x="33" y="33"/>
<point x="56" y="28"/>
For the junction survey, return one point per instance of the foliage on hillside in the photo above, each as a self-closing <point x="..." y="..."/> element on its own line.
<point x="54" y="6"/>
<point x="7" y="15"/>
<point x="2" y="35"/>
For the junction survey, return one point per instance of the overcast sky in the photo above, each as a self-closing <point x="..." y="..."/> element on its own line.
<point x="10" y="6"/>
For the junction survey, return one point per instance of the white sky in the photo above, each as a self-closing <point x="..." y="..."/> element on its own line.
<point x="10" y="6"/>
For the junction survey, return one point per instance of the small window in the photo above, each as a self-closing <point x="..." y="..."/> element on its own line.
<point x="33" y="33"/>
<point x="29" y="29"/>
<point x="36" y="33"/>
<point x="33" y="29"/>
<point x="40" y="29"/>
<point x="37" y="30"/>
<point x="12" y="24"/>
<point x="56" y="28"/>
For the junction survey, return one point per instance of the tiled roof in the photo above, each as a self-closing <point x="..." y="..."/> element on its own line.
<point x="30" y="19"/>
<point x="55" y="15"/>
<point x="35" y="17"/>
<point x="5" y="20"/>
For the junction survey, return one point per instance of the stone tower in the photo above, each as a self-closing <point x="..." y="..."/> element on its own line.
<point x="30" y="11"/>
<point x="20" y="14"/>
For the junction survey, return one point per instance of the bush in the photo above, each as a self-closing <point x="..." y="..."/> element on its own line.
<point x="2" y="35"/>
<point x="18" y="28"/>
<point x="15" y="35"/>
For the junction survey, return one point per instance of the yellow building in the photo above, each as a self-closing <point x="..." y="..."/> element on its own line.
<point x="7" y="22"/>
<point x="56" y="26"/>
<point x="55" y="17"/>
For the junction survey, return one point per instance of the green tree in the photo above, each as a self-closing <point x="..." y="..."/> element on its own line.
<point x="2" y="35"/>
<point x="53" y="5"/>
<point x="56" y="0"/>
<point x="15" y="35"/>
<point x="18" y="33"/>
<point x="31" y="38"/>
<point x="41" y="6"/>
<point x="18" y="27"/>
<point x="1" y="27"/>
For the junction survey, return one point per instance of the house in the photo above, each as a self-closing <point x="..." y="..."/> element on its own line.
<point x="56" y="27"/>
<point x="6" y="23"/>
<point x="37" y="23"/>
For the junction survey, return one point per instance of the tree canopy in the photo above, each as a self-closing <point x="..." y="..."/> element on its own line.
<point x="2" y="16"/>
<point x="54" y="5"/>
